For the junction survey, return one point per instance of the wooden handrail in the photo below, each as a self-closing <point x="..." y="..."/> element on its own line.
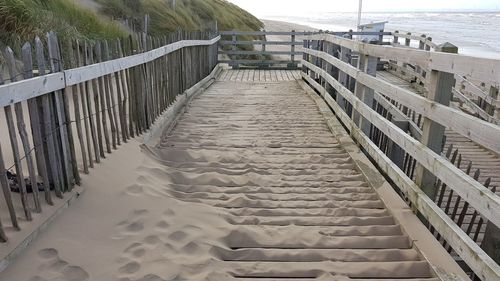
<point x="299" y="33"/>
<point x="418" y="37"/>
<point x="480" y="131"/>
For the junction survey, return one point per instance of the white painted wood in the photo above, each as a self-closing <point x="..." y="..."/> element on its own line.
<point x="479" y="131"/>
<point x="482" y="199"/>
<point x="470" y="252"/>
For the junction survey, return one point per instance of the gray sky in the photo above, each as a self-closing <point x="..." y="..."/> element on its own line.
<point x="298" y="7"/>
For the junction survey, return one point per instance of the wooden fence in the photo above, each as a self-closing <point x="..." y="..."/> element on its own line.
<point x="410" y="154"/>
<point x="480" y="96"/>
<point x="271" y="49"/>
<point x="69" y="104"/>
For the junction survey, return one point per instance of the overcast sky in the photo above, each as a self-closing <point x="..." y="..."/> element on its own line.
<point x="298" y="7"/>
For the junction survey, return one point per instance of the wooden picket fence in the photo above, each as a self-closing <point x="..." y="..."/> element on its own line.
<point x="69" y="104"/>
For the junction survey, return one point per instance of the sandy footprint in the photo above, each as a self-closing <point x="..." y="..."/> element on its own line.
<point x="135" y="189"/>
<point x="130" y="268"/>
<point x="178" y="235"/>
<point x="162" y="226"/>
<point x="52" y="267"/>
<point x="151" y="277"/>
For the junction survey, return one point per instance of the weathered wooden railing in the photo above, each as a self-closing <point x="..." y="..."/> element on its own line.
<point x="277" y="49"/>
<point x="482" y="98"/>
<point x="111" y="92"/>
<point x="361" y="101"/>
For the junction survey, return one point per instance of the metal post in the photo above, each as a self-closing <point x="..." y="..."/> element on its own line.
<point x="359" y="14"/>
<point x="292" y="49"/>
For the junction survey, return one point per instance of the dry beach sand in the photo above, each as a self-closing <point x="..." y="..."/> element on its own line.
<point x="250" y="183"/>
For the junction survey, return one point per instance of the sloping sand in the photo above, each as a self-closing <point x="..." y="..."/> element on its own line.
<point x="250" y="185"/>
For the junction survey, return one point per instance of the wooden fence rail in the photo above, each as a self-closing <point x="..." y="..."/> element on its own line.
<point x="353" y="92"/>
<point x="69" y="104"/>
<point x="283" y="51"/>
<point x="480" y="96"/>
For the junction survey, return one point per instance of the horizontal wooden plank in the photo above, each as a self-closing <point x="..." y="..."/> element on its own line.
<point x="482" y="199"/>
<point x="26" y="89"/>
<point x="299" y="33"/>
<point x="260" y="42"/>
<point x="407" y="55"/>
<point x="262" y="33"/>
<point x="482" y="69"/>
<point x="34" y="87"/>
<point x="476" y="91"/>
<point x="478" y="110"/>
<point x="259" y="61"/>
<point x="236" y="52"/>
<point x="470" y="252"/>
<point x="479" y="131"/>
<point x="412" y="36"/>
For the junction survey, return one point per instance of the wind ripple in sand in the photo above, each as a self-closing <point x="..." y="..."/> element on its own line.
<point x="254" y="186"/>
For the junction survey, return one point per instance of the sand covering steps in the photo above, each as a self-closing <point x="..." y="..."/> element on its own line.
<point x="297" y="206"/>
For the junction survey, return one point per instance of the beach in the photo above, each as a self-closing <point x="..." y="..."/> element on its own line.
<point x="475" y="33"/>
<point x="256" y="171"/>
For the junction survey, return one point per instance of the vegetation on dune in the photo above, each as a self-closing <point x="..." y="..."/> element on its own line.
<point x="187" y="14"/>
<point x="21" y="20"/>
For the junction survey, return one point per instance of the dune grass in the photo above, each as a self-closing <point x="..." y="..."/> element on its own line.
<point x="187" y="14"/>
<point x="21" y="20"/>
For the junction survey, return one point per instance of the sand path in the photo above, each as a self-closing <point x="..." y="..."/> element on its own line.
<point x="249" y="185"/>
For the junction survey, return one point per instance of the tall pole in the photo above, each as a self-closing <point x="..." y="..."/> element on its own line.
<point x="359" y="13"/>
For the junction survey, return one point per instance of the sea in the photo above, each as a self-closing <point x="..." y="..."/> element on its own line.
<point x="475" y="33"/>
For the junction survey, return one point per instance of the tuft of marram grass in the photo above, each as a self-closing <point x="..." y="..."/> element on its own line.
<point x="22" y="20"/>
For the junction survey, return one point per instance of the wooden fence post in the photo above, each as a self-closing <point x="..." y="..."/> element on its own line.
<point x="35" y="124"/>
<point x="60" y="110"/>
<point x="104" y="106"/>
<point x="490" y="108"/>
<point x="4" y="183"/>
<point x="440" y="90"/>
<point x="396" y="38"/>
<point x="17" y="157"/>
<point x="368" y="65"/>
<point x="305" y="56"/>
<point x="491" y="241"/>
<point x="396" y="153"/>
<point x="408" y="40"/>
<point x="233" y="48"/>
<point x="345" y="56"/>
<point x="75" y="89"/>
<point x="87" y="99"/>
<point x="23" y="133"/>
<point x="264" y="39"/>
<point x="427" y="46"/>
<point x="292" y="49"/>
<point x="49" y="126"/>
